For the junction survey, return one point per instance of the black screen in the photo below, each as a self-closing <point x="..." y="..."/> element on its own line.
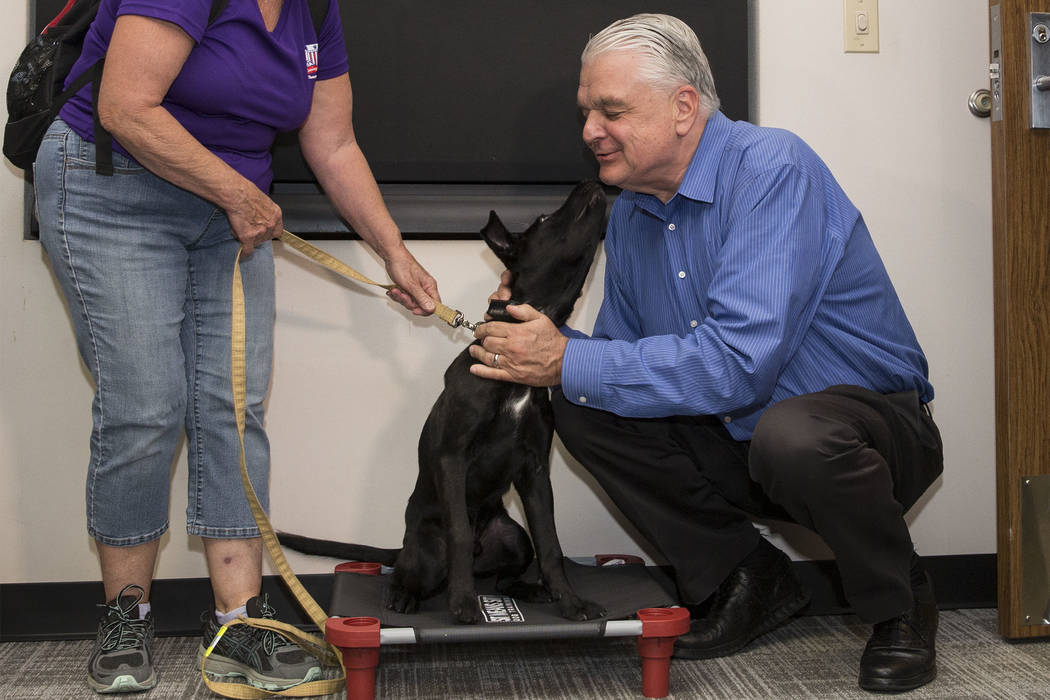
<point x="469" y="91"/>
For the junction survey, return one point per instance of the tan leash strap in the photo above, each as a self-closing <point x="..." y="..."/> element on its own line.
<point x="447" y="314"/>
<point x="326" y="652"/>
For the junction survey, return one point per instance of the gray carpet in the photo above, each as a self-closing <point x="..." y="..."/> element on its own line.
<point x="812" y="657"/>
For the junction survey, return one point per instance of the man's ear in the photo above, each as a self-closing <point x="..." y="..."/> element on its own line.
<point x="686" y="106"/>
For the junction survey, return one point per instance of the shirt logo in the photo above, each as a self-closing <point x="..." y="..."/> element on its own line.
<point x="311" y="61"/>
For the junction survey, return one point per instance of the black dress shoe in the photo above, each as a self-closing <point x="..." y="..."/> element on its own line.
<point x="900" y="655"/>
<point x="759" y="595"/>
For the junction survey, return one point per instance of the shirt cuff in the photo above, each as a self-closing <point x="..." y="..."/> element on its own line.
<point x="581" y="370"/>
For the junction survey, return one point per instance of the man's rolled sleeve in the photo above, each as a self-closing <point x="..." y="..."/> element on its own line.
<point x="581" y="371"/>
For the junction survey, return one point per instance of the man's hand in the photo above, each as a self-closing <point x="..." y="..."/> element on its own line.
<point x="502" y="292"/>
<point x="527" y="353"/>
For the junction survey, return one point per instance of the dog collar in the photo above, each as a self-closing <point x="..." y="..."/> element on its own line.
<point x="498" y="311"/>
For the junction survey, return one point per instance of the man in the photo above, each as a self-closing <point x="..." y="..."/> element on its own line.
<point x="750" y="358"/>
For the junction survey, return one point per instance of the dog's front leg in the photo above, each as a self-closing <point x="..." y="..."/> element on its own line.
<point x="452" y="485"/>
<point x="537" y="497"/>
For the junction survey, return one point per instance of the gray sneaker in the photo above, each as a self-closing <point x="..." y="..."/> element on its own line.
<point x="264" y="658"/>
<point x="122" y="659"/>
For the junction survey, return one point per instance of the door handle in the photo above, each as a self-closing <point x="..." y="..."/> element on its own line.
<point x="980" y="103"/>
<point x="1039" y="69"/>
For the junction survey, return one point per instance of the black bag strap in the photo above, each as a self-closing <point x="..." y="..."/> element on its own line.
<point x="216" y="9"/>
<point x="74" y="87"/>
<point x="318" y="13"/>
<point x="103" y="141"/>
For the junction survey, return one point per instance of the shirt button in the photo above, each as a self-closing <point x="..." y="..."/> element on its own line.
<point x="670" y="227"/>
<point x="681" y="274"/>
<point x="728" y="419"/>
<point x="583" y="399"/>
<point x="693" y="324"/>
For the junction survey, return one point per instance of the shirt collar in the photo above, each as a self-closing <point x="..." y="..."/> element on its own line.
<point x="700" y="177"/>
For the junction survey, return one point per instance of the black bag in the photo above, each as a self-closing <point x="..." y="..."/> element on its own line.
<point x="34" y="92"/>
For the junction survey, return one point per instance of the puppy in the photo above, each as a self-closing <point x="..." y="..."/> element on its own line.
<point x="482" y="436"/>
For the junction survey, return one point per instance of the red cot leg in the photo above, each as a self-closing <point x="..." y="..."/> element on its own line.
<point x="660" y="629"/>
<point x="358" y="640"/>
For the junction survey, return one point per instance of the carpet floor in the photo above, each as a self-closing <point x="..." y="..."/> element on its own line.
<point x="812" y="657"/>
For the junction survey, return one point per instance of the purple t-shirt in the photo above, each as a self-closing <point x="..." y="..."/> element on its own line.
<point x="240" y="85"/>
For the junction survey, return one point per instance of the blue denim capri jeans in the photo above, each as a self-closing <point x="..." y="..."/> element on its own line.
<point x="146" y="269"/>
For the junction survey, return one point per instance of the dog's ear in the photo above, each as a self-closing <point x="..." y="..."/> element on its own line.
<point x="499" y="239"/>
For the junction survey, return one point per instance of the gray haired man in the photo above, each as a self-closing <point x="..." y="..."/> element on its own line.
<point x="750" y="358"/>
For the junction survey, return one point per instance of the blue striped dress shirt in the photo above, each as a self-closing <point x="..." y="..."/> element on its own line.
<point x="757" y="281"/>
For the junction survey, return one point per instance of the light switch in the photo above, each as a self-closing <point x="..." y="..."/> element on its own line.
<point x="860" y="26"/>
<point x="862" y="23"/>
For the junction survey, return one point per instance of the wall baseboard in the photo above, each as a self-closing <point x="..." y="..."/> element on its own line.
<point x="46" y="611"/>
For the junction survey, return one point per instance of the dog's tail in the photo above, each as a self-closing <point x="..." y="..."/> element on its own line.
<point x="340" y="550"/>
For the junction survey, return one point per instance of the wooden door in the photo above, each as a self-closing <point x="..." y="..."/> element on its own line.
<point x="1021" y="252"/>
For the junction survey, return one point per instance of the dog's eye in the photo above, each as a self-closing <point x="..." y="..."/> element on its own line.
<point x="542" y="218"/>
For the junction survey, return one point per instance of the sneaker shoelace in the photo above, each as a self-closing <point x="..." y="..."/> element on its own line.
<point x="245" y="640"/>
<point x="122" y="631"/>
<point x="270" y="639"/>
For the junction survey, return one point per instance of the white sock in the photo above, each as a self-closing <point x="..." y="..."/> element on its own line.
<point x="144" y="609"/>
<point x="227" y="617"/>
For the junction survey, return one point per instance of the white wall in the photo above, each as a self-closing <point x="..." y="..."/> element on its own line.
<point x="354" y="377"/>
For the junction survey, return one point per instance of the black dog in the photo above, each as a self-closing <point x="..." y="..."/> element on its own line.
<point x="482" y="436"/>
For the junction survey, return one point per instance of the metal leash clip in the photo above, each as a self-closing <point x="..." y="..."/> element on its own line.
<point x="459" y="320"/>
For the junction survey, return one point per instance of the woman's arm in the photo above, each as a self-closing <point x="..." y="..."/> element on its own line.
<point x="144" y="57"/>
<point x="330" y="147"/>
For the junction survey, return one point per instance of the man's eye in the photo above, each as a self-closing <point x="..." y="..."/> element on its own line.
<point x="613" y="115"/>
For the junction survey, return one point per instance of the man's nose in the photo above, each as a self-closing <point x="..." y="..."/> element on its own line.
<point x="593" y="129"/>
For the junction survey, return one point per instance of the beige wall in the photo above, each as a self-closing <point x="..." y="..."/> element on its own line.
<point x="354" y="377"/>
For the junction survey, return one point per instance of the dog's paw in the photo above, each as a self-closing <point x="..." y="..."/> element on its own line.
<point x="401" y="601"/>
<point x="573" y="608"/>
<point x="528" y="592"/>
<point x="464" y="608"/>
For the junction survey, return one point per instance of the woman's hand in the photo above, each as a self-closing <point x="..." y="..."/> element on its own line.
<point x="416" y="290"/>
<point x="254" y="218"/>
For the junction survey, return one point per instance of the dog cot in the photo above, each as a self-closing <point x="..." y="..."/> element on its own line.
<point x="637" y="605"/>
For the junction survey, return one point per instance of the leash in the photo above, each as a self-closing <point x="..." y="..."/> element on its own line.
<point x="449" y="315"/>
<point x="327" y="653"/>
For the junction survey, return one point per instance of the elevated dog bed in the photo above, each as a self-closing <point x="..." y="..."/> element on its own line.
<point x="637" y="605"/>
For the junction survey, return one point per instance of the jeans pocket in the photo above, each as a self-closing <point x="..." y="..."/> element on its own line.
<point x="81" y="156"/>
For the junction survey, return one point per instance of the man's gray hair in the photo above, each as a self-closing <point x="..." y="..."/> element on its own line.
<point x="671" y="53"/>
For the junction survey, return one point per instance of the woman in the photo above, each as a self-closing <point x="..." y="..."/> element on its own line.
<point x="144" y="259"/>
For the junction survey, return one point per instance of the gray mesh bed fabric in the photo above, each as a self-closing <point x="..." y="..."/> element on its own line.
<point x="621" y="589"/>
